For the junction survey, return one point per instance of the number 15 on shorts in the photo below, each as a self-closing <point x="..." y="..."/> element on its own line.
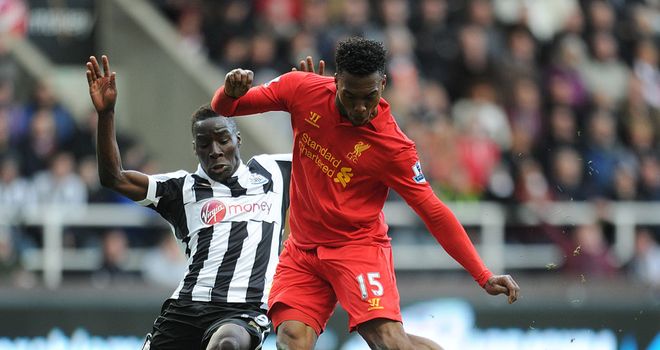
<point x="374" y="286"/>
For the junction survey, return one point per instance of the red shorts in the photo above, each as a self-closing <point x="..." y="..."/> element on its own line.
<point x="308" y="284"/>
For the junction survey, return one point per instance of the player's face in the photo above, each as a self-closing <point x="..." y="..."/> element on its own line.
<point x="216" y="148"/>
<point x="359" y="96"/>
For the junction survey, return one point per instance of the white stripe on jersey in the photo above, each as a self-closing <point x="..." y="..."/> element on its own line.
<point x="257" y="199"/>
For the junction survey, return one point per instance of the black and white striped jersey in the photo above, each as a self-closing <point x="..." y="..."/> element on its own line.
<point x="231" y="231"/>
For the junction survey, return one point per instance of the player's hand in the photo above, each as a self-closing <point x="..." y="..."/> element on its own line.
<point x="102" y="87"/>
<point x="503" y="284"/>
<point x="238" y="82"/>
<point x="307" y="65"/>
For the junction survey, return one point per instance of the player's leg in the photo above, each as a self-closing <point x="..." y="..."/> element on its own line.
<point x="301" y="301"/>
<point x="230" y="337"/>
<point x="423" y="343"/>
<point x="174" y="329"/>
<point x="295" y="335"/>
<point x="241" y="329"/>
<point x="363" y="278"/>
<point x="387" y="334"/>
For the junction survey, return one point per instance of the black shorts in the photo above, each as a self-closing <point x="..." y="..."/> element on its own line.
<point x="184" y="325"/>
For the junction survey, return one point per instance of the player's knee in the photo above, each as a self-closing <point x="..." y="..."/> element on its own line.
<point x="226" y="343"/>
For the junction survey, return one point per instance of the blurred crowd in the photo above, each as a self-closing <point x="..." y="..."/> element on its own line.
<point x="510" y="101"/>
<point x="48" y="157"/>
<point x="518" y="102"/>
<point x="507" y="100"/>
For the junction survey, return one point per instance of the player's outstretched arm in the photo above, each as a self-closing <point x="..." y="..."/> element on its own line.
<point x="503" y="284"/>
<point x="103" y="92"/>
<point x="238" y="97"/>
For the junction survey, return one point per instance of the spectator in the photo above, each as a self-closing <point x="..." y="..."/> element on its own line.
<point x="649" y="182"/>
<point x="279" y="16"/>
<point x="263" y="57"/>
<point x="236" y="52"/>
<point x="165" y="264"/>
<point x="601" y="16"/>
<point x="45" y="102"/>
<point x="190" y="29"/>
<point x="481" y="111"/>
<point x="60" y="184"/>
<point x="641" y="135"/>
<point x="525" y="109"/>
<point x="15" y="192"/>
<point x="564" y="81"/>
<point x="567" y="176"/>
<point x="473" y="64"/>
<point x="355" y="21"/>
<point x="480" y="13"/>
<point x="603" y="150"/>
<point x="404" y="77"/>
<point x="645" y="265"/>
<point x="521" y="55"/>
<point x="606" y="75"/>
<point x="435" y="44"/>
<point x="11" y="112"/>
<point x="585" y="250"/>
<point x="84" y="144"/>
<point x="531" y="184"/>
<point x="561" y="131"/>
<point x="645" y="67"/>
<point x="316" y="21"/>
<point x="112" y="267"/>
<point x="88" y="172"/>
<point x="635" y="113"/>
<point x="518" y="163"/>
<point x="624" y="186"/>
<point x="395" y="13"/>
<point x="224" y="21"/>
<point x="544" y="18"/>
<point x="11" y="269"/>
<point x="6" y="148"/>
<point x="8" y="256"/>
<point x="40" y="145"/>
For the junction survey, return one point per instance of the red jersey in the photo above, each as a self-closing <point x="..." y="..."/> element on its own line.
<point x="341" y="173"/>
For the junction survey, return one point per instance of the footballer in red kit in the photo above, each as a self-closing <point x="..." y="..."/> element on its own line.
<point x="348" y="151"/>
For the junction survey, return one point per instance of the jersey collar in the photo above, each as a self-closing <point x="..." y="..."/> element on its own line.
<point x="242" y="169"/>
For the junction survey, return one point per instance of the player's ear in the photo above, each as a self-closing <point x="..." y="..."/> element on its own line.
<point x="335" y="79"/>
<point x="384" y="82"/>
<point x="193" y="147"/>
<point x="238" y="139"/>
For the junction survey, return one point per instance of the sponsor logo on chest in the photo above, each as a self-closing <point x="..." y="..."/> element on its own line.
<point x="328" y="162"/>
<point x="215" y="211"/>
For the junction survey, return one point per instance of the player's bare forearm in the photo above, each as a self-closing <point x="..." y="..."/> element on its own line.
<point x="107" y="150"/>
<point x="131" y="184"/>
<point x="103" y="93"/>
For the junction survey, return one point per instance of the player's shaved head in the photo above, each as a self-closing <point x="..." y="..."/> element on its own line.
<point x="205" y="112"/>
